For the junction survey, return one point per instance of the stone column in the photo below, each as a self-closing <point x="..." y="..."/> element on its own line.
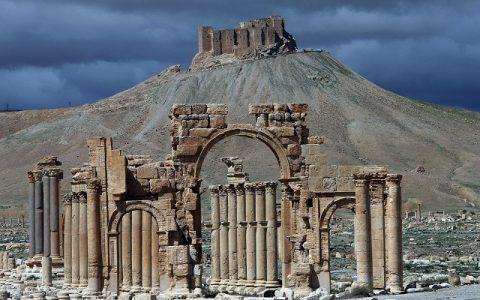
<point x="146" y="250"/>
<point x="214" y="238"/>
<point x="271" y="218"/>
<point x="232" y="236"/>
<point x="67" y="239"/>
<point x="250" y="249"/>
<point x="224" y="270"/>
<point x="378" y="232"/>
<point x="38" y="214"/>
<point x="260" y="236"/>
<point x="393" y="234"/>
<point x="136" y="250"/>
<point x="75" y="240"/>
<point x="31" y="214"/>
<point x="363" y="244"/>
<point x="95" y="280"/>
<point x="127" y="251"/>
<point x="54" y="213"/>
<point x="46" y="271"/>
<point x="155" y="259"/>
<point x="241" y="237"/>
<point x="83" y="236"/>
<point x="46" y="214"/>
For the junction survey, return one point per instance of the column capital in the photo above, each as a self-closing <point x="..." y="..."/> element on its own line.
<point x="31" y="177"/>
<point x="270" y="186"/>
<point x="222" y="191"/>
<point x="230" y="188"/>
<point x="82" y="197"/>
<point x="67" y="199"/>
<point x="249" y="187"/>
<point x="359" y="182"/>
<point x="239" y="189"/>
<point x="37" y="175"/>
<point x="394" y="178"/>
<point x="75" y="197"/>
<point x="94" y="185"/>
<point x="214" y="189"/>
<point x="58" y="173"/>
<point x="259" y="187"/>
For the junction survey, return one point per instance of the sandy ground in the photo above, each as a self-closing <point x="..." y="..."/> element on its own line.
<point x="467" y="292"/>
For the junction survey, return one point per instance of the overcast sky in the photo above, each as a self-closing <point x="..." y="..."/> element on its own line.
<point x="66" y="52"/>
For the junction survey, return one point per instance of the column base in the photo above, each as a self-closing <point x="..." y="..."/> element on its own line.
<point x="136" y="289"/>
<point x="272" y="284"/>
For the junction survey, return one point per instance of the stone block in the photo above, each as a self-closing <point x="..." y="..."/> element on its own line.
<point x="260" y="108"/>
<point x="139" y="187"/>
<point x="315" y="140"/>
<point x="294" y="150"/>
<point x="218" y="121"/>
<point x="190" y="200"/>
<point x="181" y="109"/>
<point x="345" y="184"/>
<point x="165" y="201"/>
<point x="201" y="132"/>
<point x="189" y="146"/>
<point x="282" y="131"/>
<point x="329" y="184"/>
<point x="198" y="109"/>
<point x="160" y="186"/>
<point x="298" y="107"/>
<point x="217" y="109"/>
<point x="182" y="270"/>
<point x="277" y="107"/>
<point x="147" y="172"/>
<point x="345" y="171"/>
<point x="180" y="254"/>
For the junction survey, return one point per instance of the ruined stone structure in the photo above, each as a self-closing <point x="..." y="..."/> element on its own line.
<point x="134" y="224"/>
<point x="251" y="39"/>
<point x="44" y="206"/>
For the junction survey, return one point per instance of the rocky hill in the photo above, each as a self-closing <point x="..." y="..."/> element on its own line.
<point x="436" y="148"/>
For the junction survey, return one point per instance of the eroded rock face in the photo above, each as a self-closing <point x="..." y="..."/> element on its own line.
<point x="251" y="39"/>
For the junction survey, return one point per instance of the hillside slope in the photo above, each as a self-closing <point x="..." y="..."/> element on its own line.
<point x="361" y="123"/>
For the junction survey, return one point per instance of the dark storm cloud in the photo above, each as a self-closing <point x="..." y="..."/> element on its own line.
<point x="56" y="52"/>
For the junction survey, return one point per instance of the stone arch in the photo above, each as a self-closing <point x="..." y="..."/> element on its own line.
<point x="270" y="140"/>
<point x="326" y="216"/>
<point x="129" y="206"/>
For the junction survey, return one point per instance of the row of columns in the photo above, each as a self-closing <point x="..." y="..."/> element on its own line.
<point x="378" y="232"/>
<point x="43" y="198"/>
<point x="244" y="237"/>
<point x="82" y="252"/>
<point x="140" y="252"/>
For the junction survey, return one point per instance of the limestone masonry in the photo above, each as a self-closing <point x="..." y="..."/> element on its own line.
<point x="132" y="225"/>
<point x="251" y="39"/>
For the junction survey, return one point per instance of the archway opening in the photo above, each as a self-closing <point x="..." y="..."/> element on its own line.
<point x="262" y="166"/>
<point x="342" y="250"/>
<point x="139" y="257"/>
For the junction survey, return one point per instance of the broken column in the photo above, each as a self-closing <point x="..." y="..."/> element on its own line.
<point x="46" y="271"/>
<point x="393" y="234"/>
<point x="363" y="245"/>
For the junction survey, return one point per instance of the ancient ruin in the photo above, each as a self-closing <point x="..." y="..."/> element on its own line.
<point x="133" y="225"/>
<point x="251" y="39"/>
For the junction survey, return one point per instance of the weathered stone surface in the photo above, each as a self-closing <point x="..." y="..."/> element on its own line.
<point x="147" y="172"/>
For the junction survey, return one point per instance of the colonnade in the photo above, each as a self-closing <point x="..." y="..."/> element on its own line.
<point x="82" y="240"/>
<point x="244" y="237"/>
<point x="140" y="252"/>
<point x="43" y="199"/>
<point x="378" y="232"/>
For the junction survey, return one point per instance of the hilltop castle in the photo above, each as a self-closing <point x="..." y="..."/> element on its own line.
<point x="251" y="39"/>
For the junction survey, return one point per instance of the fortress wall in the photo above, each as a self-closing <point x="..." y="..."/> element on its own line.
<point x="204" y="38"/>
<point x="227" y="40"/>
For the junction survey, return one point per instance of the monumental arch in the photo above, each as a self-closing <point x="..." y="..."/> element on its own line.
<point x="118" y="198"/>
